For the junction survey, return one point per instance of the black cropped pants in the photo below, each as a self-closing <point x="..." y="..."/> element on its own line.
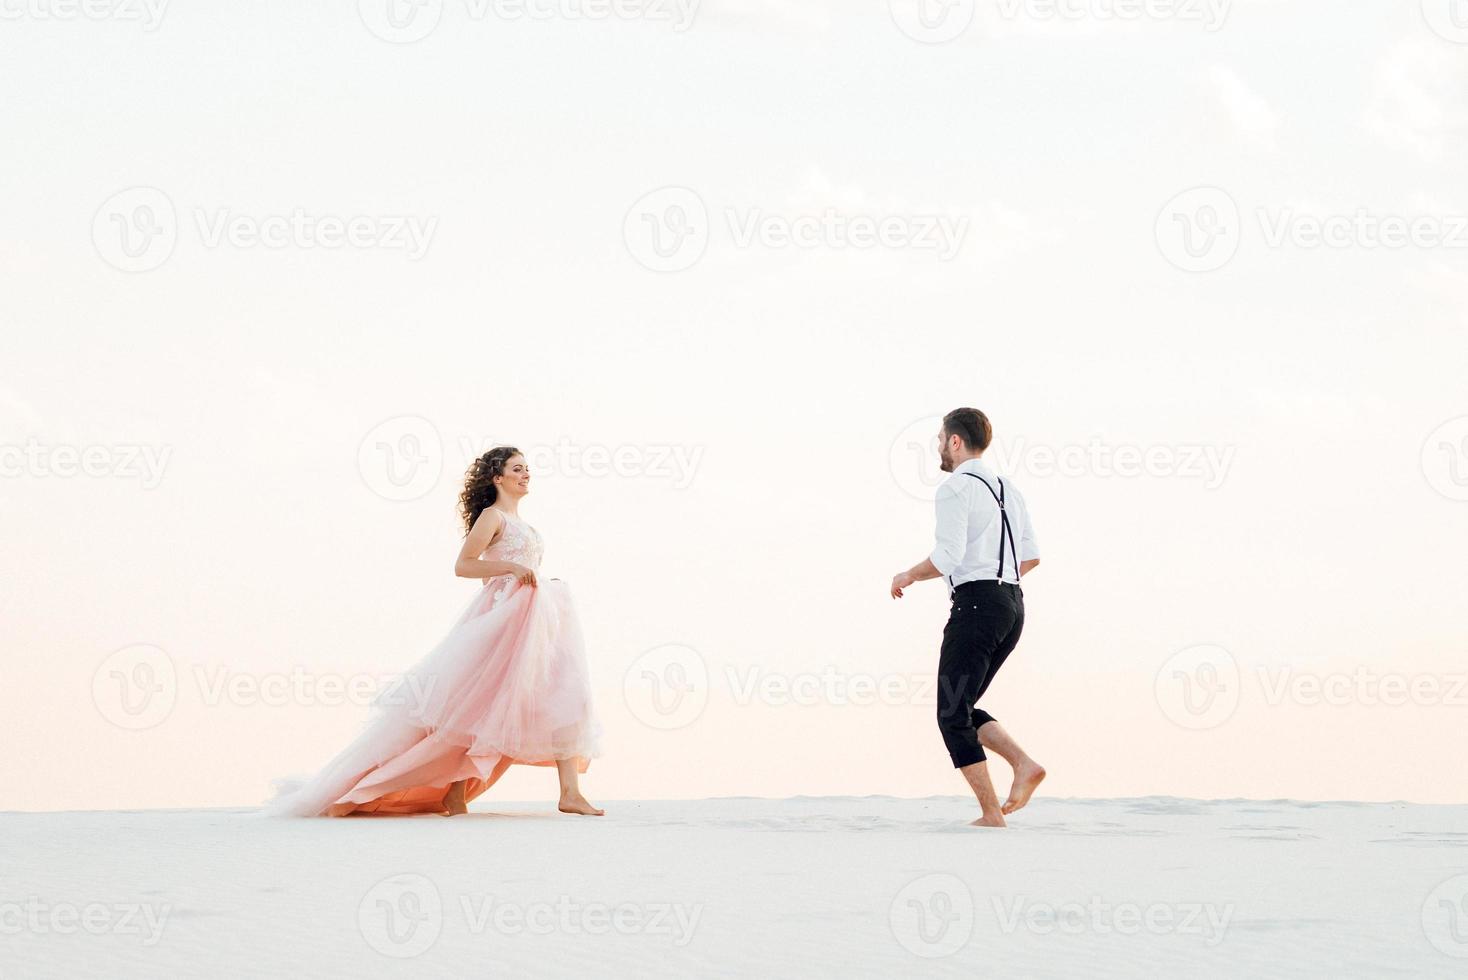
<point x="983" y="629"/>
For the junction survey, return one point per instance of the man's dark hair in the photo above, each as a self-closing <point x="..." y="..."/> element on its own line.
<point x="970" y="425"/>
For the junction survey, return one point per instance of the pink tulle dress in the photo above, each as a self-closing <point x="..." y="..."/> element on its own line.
<point x="507" y="686"/>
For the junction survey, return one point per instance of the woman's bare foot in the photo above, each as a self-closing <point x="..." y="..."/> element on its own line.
<point x="578" y="804"/>
<point x="571" y="799"/>
<point x="1026" y="778"/>
<point x="453" y="801"/>
<point x="989" y="820"/>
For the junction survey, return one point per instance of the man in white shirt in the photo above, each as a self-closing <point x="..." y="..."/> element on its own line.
<point x="985" y="542"/>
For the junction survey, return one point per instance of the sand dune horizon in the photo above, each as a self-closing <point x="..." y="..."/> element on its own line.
<point x="809" y="886"/>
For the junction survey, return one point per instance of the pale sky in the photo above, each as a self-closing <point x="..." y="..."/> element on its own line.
<point x="1048" y="257"/>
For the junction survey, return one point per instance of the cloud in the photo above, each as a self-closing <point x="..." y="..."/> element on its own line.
<point x="1417" y="98"/>
<point x="819" y="190"/>
<point x="1252" y="118"/>
<point x="991" y="229"/>
<point x="19" y="419"/>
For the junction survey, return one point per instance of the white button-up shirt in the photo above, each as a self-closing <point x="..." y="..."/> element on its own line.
<point x="969" y="527"/>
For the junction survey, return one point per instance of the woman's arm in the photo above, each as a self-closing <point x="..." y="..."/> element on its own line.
<point x="469" y="565"/>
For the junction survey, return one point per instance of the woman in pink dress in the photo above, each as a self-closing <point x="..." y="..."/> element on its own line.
<point x="507" y="686"/>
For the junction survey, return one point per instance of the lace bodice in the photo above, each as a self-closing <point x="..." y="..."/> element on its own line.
<point x="518" y="542"/>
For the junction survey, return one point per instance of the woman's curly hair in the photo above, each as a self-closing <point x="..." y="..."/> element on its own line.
<point x="479" y="489"/>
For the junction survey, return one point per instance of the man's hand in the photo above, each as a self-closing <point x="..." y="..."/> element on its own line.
<point x="920" y="572"/>
<point x="901" y="581"/>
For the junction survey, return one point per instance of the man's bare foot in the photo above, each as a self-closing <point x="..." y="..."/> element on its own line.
<point x="989" y="820"/>
<point x="1026" y="778"/>
<point x="453" y="801"/>
<point x="578" y="804"/>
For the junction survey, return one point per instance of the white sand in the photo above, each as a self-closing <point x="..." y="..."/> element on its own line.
<point x="743" y="887"/>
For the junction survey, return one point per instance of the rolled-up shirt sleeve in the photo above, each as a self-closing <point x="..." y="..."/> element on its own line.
<point x="1029" y="548"/>
<point x="951" y="535"/>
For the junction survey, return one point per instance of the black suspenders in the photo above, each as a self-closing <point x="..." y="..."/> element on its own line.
<point x="1004" y="530"/>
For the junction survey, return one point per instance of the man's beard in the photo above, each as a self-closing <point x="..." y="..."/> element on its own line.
<point x="945" y="462"/>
